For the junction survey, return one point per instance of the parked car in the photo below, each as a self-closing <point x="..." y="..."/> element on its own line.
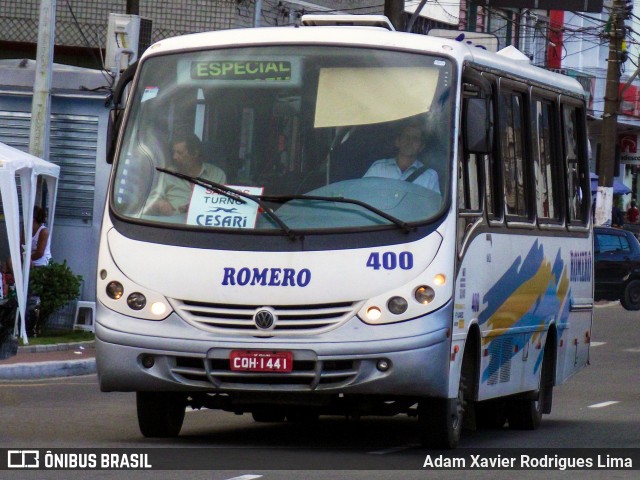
<point x="633" y="228"/>
<point x="617" y="266"/>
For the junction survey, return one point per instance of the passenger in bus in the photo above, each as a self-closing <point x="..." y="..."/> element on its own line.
<point x="410" y="142"/>
<point x="172" y="195"/>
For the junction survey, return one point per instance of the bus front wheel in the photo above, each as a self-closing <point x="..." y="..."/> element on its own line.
<point x="160" y="414"/>
<point x="440" y="420"/>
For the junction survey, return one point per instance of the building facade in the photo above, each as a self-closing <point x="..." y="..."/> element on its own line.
<point x="576" y="44"/>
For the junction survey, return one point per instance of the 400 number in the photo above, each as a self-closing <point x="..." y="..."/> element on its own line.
<point x="390" y="260"/>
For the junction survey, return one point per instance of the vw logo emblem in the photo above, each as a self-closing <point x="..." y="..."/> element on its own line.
<point x="264" y="319"/>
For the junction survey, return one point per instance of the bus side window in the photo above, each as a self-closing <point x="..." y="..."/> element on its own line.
<point x="545" y="159"/>
<point x="476" y="135"/>
<point x="491" y="187"/>
<point x="469" y="177"/>
<point x="512" y="152"/>
<point x="575" y="165"/>
<point x="469" y="194"/>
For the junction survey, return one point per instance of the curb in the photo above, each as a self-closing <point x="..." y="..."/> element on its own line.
<point x="56" y="347"/>
<point x="50" y="369"/>
<point x="607" y="304"/>
<point x="30" y="371"/>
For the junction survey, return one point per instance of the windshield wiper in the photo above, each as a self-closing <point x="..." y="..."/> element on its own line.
<point x="234" y="194"/>
<point x="395" y="220"/>
<point x="239" y="196"/>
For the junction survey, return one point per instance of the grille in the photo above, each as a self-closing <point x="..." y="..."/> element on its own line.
<point x="307" y="374"/>
<point x="502" y="349"/>
<point x="238" y="319"/>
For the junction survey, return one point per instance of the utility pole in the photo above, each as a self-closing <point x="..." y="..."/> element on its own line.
<point x="41" y="103"/>
<point x="604" y="195"/>
<point x="257" y="13"/>
<point x="133" y="7"/>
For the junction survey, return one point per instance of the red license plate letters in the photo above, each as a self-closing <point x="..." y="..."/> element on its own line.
<point x="260" y="361"/>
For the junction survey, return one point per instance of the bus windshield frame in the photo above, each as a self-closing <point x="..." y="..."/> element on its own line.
<point x="296" y="129"/>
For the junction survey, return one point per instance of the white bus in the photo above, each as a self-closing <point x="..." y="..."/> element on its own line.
<point x="286" y="280"/>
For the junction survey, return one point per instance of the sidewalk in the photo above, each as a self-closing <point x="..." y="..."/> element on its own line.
<point x="46" y="361"/>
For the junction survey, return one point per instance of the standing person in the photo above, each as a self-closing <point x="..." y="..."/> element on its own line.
<point x="40" y="257"/>
<point x="172" y="195"/>
<point x="617" y="217"/>
<point x="406" y="166"/>
<point x="40" y="241"/>
<point x="633" y="213"/>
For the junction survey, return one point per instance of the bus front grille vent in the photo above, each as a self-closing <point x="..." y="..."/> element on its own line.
<point x="306" y="374"/>
<point x="289" y="319"/>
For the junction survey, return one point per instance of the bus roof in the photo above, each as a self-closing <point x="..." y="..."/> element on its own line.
<point x="372" y="37"/>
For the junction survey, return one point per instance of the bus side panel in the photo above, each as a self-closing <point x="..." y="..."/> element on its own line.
<point x="573" y="347"/>
<point x="515" y="287"/>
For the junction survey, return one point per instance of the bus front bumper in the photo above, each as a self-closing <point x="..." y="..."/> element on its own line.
<point x="411" y="365"/>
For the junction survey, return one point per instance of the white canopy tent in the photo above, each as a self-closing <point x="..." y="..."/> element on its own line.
<point x="16" y="167"/>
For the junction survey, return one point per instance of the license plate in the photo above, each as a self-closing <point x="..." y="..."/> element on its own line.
<point x="260" y="361"/>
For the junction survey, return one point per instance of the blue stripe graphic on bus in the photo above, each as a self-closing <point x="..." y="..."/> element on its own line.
<point x="528" y="294"/>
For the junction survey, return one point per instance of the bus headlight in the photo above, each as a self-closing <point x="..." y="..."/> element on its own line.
<point x="373" y="313"/>
<point x="158" y="308"/>
<point x="136" y="301"/>
<point x="424" y="294"/>
<point x="115" y="290"/>
<point x="440" y="279"/>
<point x="397" y="305"/>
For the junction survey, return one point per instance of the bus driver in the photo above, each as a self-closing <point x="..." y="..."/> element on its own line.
<point x="406" y="166"/>
<point x="172" y="195"/>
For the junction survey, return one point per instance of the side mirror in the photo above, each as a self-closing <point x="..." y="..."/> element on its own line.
<point x="477" y="125"/>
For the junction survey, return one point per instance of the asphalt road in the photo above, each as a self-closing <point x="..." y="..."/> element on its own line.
<point x="597" y="409"/>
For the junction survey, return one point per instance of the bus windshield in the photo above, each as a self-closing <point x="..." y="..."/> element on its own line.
<point x="308" y="137"/>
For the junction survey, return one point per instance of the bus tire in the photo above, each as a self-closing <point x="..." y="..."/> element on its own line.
<point x="440" y="420"/>
<point x="160" y="414"/>
<point x="527" y="414"/>
<point x="630" y="298"/>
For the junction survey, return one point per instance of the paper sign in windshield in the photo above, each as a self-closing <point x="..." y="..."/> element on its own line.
<point x="212" y="209"/>
<point x="149" y="93"/>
